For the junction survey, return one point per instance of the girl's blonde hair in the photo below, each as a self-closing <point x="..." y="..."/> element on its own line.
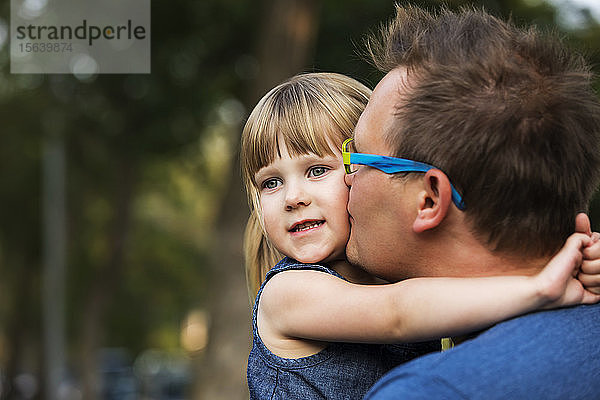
<point x="307" y="114"/>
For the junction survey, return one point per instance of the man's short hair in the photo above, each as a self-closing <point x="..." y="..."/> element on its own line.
<point x="508" y="114"/>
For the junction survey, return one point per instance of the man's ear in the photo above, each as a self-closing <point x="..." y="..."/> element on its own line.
<point x="434" y="201"/>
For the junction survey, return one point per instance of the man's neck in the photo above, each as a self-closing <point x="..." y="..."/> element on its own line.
<point x="355" y="274"/>
<point x="462" y="255"/>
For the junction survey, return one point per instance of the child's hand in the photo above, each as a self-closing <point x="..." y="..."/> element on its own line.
<point x="558" y="283"/>
<point x="589" y="274"/>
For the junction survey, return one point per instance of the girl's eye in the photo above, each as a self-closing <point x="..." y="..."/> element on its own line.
<point x="317" y="171"/>
<point x="271" y="183"/>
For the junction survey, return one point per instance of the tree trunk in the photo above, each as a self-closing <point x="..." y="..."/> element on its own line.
<point x="54" y="262"/>
<point x="105" y="285"/>
<point x="19" y="319"/>
<point x="286" y="44"/>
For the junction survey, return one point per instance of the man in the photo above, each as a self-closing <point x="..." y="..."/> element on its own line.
<point x="510" y="119"/>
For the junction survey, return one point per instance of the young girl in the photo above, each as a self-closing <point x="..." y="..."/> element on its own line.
<point x="315" y="315"/>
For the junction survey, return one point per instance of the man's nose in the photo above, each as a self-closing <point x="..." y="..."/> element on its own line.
<point x="348" y="178"/>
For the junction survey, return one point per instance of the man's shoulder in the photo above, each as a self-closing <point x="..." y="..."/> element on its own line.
<point x="530" y="356"/>
<point x="534" y="327"/>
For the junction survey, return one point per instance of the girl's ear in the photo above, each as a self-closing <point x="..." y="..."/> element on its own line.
<point x="434" y="201"/>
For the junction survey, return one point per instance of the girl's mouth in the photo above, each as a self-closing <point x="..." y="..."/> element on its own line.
<point x="304" y="226"/>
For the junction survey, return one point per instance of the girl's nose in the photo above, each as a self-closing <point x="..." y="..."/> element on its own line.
<point x="295" y="197"/>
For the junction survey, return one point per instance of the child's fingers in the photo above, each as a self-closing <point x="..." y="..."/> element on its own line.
<point x="592" y="250"/>
<point x="591" y="282"/>
<point x="582" y="224"/>
<point x="579" y="240"/>
<point x="591" y="267"/>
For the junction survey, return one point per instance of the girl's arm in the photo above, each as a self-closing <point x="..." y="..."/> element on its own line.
<point x="314" y="305"/>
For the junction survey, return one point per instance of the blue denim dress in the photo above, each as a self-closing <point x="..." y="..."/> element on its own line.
<point x="340" y="371"/>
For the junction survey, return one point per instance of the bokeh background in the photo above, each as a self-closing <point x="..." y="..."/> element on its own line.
<point x="121" y="208"/>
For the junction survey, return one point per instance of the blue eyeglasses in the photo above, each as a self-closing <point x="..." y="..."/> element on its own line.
<point x="389" y="165"/>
